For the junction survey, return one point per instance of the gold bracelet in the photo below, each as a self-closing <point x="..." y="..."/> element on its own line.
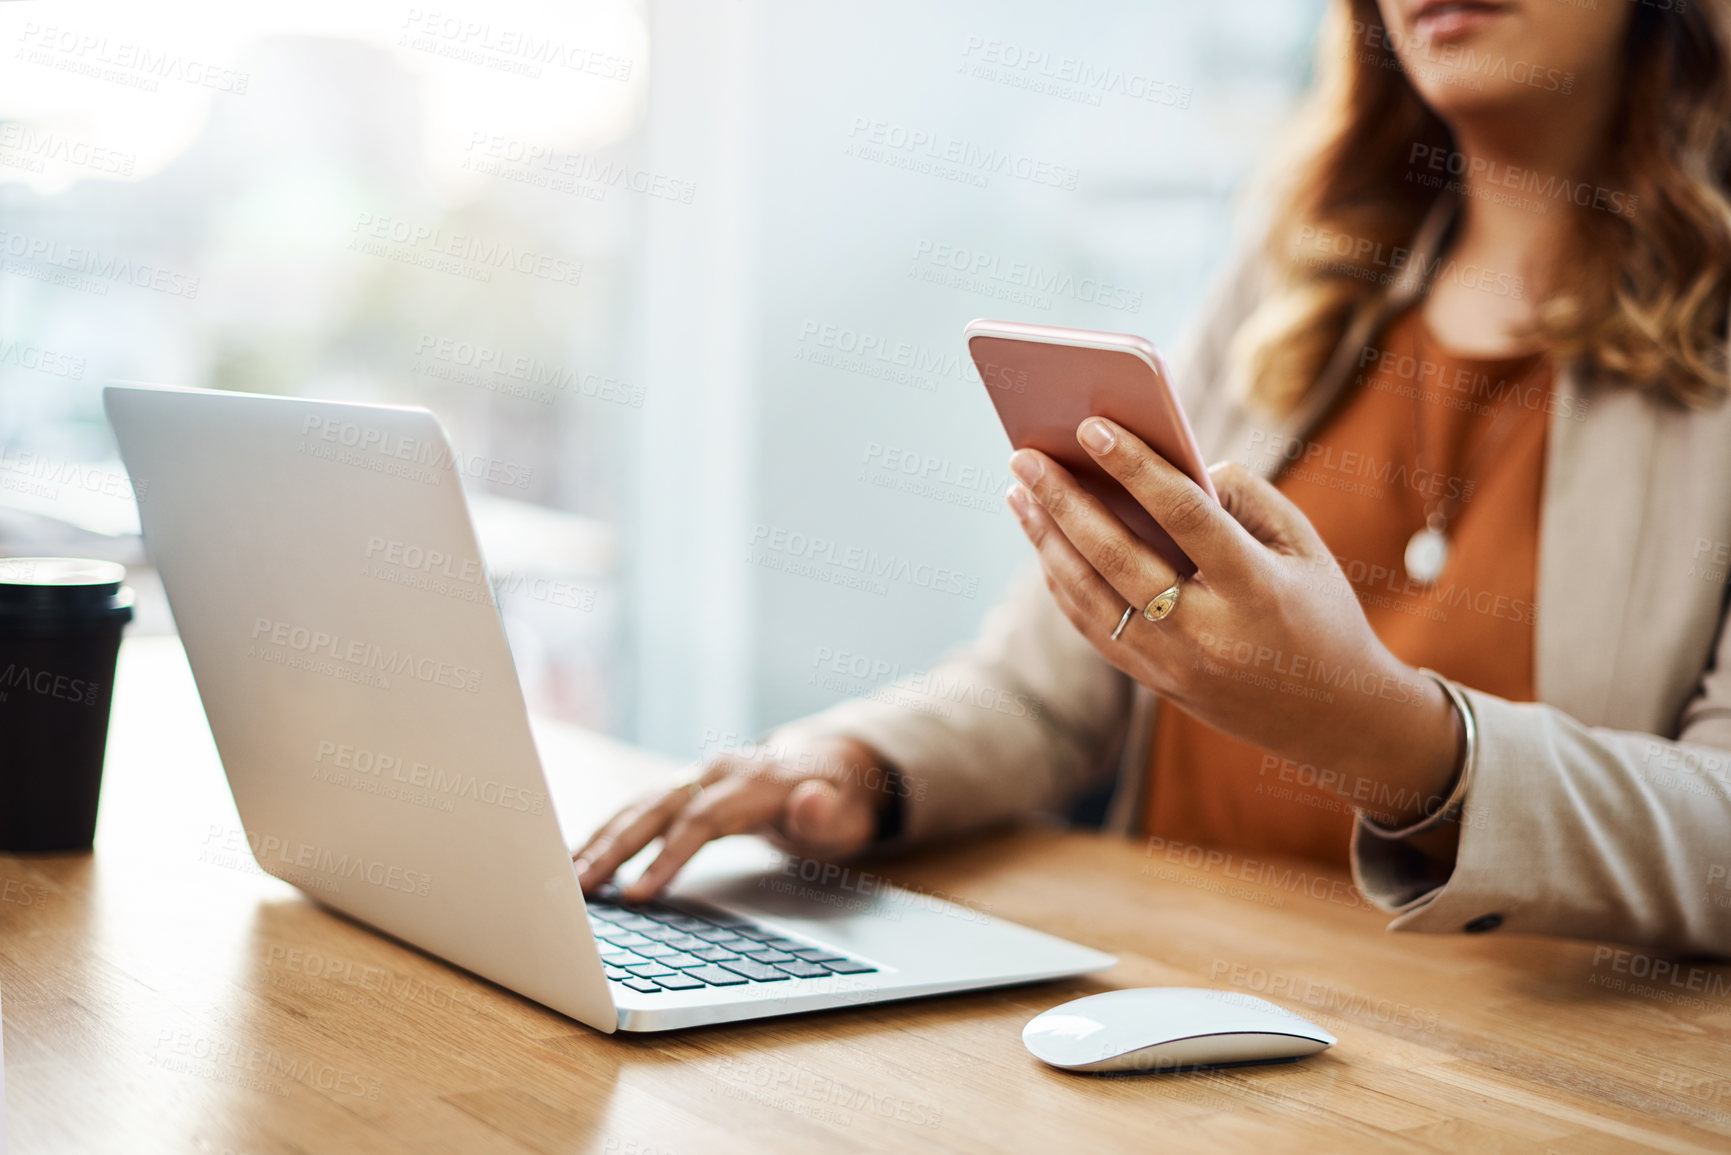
<point x="1452" y="805"/>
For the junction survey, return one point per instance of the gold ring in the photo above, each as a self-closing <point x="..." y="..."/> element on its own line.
<point x="1162" y="603"/>
<point x="1123" y="621"/>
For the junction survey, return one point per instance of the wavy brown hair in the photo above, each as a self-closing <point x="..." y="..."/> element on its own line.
<point x="1647" y="288"/>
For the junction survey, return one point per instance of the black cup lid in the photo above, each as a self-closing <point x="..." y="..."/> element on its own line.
<point x="59" y="583"/>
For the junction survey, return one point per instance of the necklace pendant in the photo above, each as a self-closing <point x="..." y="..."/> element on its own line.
<point x="1427" y="552"/>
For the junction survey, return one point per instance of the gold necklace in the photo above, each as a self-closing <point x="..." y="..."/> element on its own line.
<point x="1428" y="549"/>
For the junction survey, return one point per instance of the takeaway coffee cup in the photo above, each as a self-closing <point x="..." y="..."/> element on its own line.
<point x="60" y="623"/>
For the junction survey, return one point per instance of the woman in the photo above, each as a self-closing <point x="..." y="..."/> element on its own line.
<point x="1460" y="615"/>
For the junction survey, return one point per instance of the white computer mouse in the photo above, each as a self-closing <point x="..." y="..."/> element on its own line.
<point x="1167" y="1029"/>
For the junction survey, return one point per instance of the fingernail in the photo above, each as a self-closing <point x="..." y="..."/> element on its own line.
<point x="1026" y="465"/>
<point x="1018" y="499"/>
<point x="581" y="866"/>
<point x="1096" y="436"/>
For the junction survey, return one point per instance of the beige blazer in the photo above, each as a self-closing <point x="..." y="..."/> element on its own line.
<point x="1602" y="811"/>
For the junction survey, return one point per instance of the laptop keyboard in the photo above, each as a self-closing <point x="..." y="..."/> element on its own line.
<point x="653" y="947"/>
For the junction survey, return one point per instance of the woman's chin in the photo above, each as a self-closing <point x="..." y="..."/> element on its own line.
<point x="1463" y="95"/>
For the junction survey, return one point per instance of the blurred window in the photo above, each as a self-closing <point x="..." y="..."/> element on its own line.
<point x="686" y="279"/>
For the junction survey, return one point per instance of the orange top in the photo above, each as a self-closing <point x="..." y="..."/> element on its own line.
<point x="1425" y="431"/>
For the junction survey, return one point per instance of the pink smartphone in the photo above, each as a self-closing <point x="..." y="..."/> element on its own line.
<point x="1045" y="381"/>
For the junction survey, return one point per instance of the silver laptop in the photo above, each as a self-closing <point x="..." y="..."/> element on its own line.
<point x="340" y="624"/>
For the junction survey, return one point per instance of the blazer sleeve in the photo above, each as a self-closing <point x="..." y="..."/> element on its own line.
<point x="1017" y="721"/>
<point x="1579" y="831"/>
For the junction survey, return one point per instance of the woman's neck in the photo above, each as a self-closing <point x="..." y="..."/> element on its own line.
<point x="1522" y="183"/>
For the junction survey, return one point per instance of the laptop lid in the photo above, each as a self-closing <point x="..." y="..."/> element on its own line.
<point x="341" y="627"/>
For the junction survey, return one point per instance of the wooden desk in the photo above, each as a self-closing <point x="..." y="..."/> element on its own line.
<point x="163" y="995"/>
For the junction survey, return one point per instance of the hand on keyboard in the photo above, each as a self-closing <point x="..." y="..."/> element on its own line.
<point x="820" y="800"/>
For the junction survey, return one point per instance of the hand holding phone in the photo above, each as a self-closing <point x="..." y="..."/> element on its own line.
<point x="1044" y="381"/>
